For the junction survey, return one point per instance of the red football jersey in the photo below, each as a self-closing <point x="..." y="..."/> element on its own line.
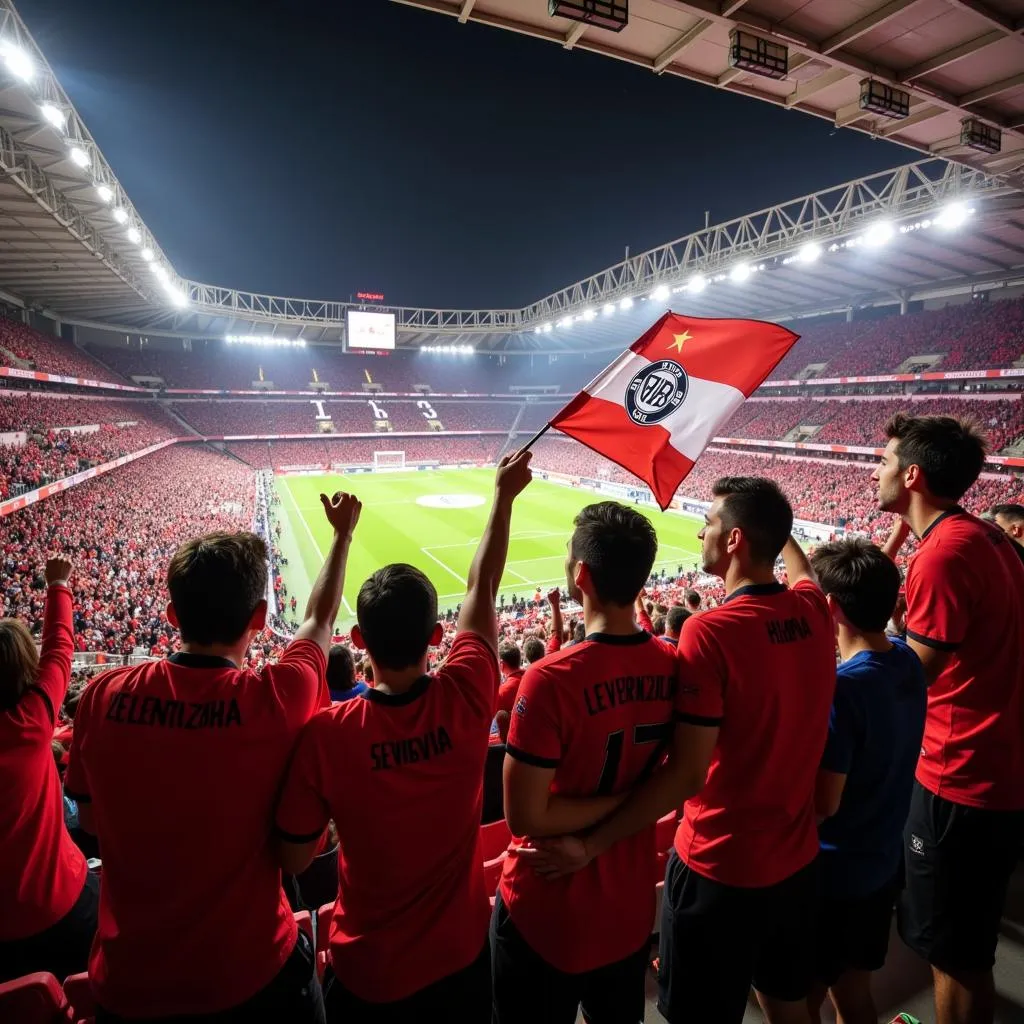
<point x="41" y="870"/>
<point x="762" y="667"/>
<point x="182" y="760"/>
<point x="402" y="777"/>
<point x="599" y="713"/>
<point x="508" y="689"/>
<point x="965" y="595"/>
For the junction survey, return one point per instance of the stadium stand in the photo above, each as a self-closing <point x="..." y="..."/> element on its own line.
<point x="23" y="346"/>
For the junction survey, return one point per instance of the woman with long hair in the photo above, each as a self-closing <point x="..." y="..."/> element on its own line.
<point x="48" y="899"/>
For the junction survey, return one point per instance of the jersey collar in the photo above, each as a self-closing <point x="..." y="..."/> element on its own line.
<point x="622" y="640"/>
<point x="397" y="700"/>
<point x="956" y="510"/>
<point x="756" y="590"/>
<point x="200" y="661"/>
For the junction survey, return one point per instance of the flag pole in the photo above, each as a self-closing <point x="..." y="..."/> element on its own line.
<point x="536" y="437"/>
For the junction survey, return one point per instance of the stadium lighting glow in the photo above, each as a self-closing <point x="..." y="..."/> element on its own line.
<point x="566" y="321"/>
<point x="536" y="329"/>
<point x="161" y="272"/>
<point x="809" y="253"/>
<point x="134" y="235"/>
<point x="609" y="308"/>
<point x="79" y="156"/>
<point x="878" y="234"/>
<point x="696" y="284"/>
<point x="177" y="296"/>
<point x="589" y="314"/>
<point x="460" y="350"/>
<point x="660" y="293"/>
<point x="147" y="255"/>
<point x="547" y="328"/>
<point x="740" y="272"/>
<point x="951" y="216"/>
<point x="105" y="193"/>
<point x="54" y="115"/>
<point x="626" y="303"/>
<point x="120" y="216"/>
<point x="18" y="62"/>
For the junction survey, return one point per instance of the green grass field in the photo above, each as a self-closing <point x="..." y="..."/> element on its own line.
<point x="396" y="526"/>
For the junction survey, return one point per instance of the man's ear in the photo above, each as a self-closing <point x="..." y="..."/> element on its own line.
<point x="258" y="619"/>
<point x="435" y="638"/>
<point x="172" y="615"/>
<point x="357" y="639"/>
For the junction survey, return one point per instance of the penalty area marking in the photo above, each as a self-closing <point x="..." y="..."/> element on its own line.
<point x="449" y="500"/>
<point x="447" y="568"/>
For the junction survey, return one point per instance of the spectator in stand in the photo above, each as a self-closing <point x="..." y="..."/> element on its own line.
<point x="741" y="886"/>
<point x="692" y="598"/>
<point x="674" y="619"/>
<point x="965" y="621"/>
<point x="866" y="776"/>
<point x="189" y="927"/>
<point x="533" y="650"/>
<point x="510" y="663"/>
<point x="341" y="675"/>
<point x="406" y="761"/>
<point x="1010" y="519"/>
<point x="583" y="939"/>
<point x="48" y="899"/>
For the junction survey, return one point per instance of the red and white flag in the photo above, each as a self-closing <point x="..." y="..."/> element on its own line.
<point x="654" y="410"/>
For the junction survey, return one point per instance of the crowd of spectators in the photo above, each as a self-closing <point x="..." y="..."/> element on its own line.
<point x="29" y="410"/>
<point x="35" y="350"/>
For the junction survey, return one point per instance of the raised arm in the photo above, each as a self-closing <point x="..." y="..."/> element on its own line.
<point x="477" y="614"/>
<point x="797" y="566"/>
<point x="555" y="600"/>
<point x="58" y="641"/>
<point x="643" y="620"/>
<point x="896" y="539"/>
<point x="342" y="512"/>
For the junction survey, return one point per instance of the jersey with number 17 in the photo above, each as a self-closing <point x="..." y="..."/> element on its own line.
<point x="600" y="714"/>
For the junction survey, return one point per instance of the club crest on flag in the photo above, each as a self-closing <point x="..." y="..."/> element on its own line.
<point x="656" y="391"/>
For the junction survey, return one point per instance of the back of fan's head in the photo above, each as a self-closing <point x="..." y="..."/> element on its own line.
<point x="533" y="650"/>
<point x="216" y="583"/>
<point x="19" y="661"/>
<point x="949" y="450"/>
<point x="618" y="545"/>
<point x="756" y="506"/>
<point x="861" y="579"/>
<point x="397" y="615"/>
<point x="341" y="669"/>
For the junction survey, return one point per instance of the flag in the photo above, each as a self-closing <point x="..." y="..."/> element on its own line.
<point x="654" y="410"/>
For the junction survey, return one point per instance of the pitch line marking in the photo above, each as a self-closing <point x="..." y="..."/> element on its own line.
<point x="447" y="569"/>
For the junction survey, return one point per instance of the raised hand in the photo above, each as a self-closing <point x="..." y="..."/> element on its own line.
<point x="342" y="512"/>
<point x="554" y="597"/>
<point x="58" y="570"/>
<point x="513" y="474"/>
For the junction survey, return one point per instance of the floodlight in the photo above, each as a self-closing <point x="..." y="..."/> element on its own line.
<point x="120" y="216"/>
<point x="951" y="216"/>
<point x="536" y="329"/>
<point x="176" y="295"/>
<point x="79" y="156"/>
<point x="161" y="272"/>
<point x="609" y="308"/>
<point x="547" y="328"/>
<point x="809" y="253"/>
<point x="19" y="63"/>
<point x="54" y="115"/>
<point x="878" y="234"/>
<point x="134" y="235"/>
<point x="147" y="255"/>
<point x="626" y="303"/>
<point x="589" y="314"/>
<point x="740" y="272"/>
<point x="566" y="321"/>
<point x="696" y="284"/>
<point x="660" y="293"/>
<point x="105" y="193"/>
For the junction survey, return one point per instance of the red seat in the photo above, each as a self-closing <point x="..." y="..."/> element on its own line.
<point x="79" y="993"/>
<point x="492" y="871"/>
<point x="494" y="839"/>
<point x="34" y="999"/>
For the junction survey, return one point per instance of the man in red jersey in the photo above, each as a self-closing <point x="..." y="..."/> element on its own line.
<point x="589" y="722"/>
<point x="176" y="765"/>
<point x="965" y="621"/>
<point x="400" y="771"/>
<point x="756" y="679"/>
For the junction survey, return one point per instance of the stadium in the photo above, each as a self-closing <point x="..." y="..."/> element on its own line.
<point x="140" y="409"/>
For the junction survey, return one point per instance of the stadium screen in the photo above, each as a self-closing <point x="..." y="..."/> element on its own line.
<point x="370" y="330"/>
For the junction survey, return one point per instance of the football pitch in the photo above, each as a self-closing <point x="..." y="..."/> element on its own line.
<point x="434" y="520"/>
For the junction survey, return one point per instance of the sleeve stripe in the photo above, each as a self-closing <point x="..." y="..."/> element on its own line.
<point x="40" y="692"/>
<point x="938" y="645"/>
<point x="533" y="759"/>
<point x="704" y="720"/>
<point x="291" y="837"/>
<point x="79" y="798"/>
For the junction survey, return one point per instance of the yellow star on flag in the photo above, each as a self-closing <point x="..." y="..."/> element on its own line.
<point x="681" y="340"/>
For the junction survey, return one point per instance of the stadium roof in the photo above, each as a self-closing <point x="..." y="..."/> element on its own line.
<point x="72" y="244"/>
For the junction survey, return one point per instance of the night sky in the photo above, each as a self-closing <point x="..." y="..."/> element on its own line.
<point x="362" y="145"/>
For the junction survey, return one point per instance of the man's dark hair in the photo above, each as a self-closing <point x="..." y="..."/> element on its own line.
<point x="215" y="583"/>
<point x="397" y="613"/>
<point x="692" y="598"/>
<point x="618" y="546"/>
<point x="756" y="506"/>
<point x="677" y="615"/>
<point x="1015" y="513"/>
<point x="510" y="655"/>
<point x="950" y="450"/>
<point x="579" y="633"/>
<point x="862" y="580"/>
<point x="533" y="650"/>
<point x="341" y="669"/>
<point x="658" y="625"/>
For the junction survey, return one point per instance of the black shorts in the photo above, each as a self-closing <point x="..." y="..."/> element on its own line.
<point x="462" y="996"/>
<point x="717" y="940"/>
<point x="958" y="862"/>
<point x="528" y="990"/>
<point x="853" y="935"/>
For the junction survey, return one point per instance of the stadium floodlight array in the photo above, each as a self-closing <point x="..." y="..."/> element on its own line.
<point x="461" y="350"/>
<point x="264" y="340"/>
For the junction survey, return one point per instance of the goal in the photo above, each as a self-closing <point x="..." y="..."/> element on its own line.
<point x="388" y="460"/>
